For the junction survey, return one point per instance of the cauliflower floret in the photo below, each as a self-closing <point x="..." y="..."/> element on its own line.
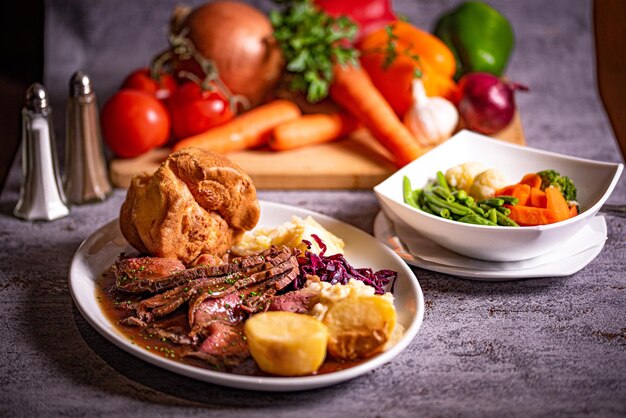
<point x="462" y="176"/>
<point x="486" y="183"/>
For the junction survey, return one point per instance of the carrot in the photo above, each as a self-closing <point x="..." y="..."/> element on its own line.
<point x="529" y="216"/>
<point x="311" y="129"/>
<point x="249" y="130"/>
<point x="506" y="190"/>
<point x="353" y="90"/>
<point x="521" y="191"/>
<point x="556" y="204"/>
<point x="573" y="211"/>
<point x="532" y="179"/>
<point x="538" y="198"/>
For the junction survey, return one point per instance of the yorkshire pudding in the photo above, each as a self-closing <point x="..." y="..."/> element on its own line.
<point x="197" y="202"/>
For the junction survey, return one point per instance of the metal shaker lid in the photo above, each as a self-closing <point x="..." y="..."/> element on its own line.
<point x="80" y="84"/>
<point x="37" y="98"/>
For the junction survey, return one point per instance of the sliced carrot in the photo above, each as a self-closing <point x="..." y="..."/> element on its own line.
<point x="521" y="191"/>
<point x="249" y="130"/>
<point x="557" y="204"/>
<point x="353" y="90"/>
<point x="506" y="190"/>
<point x="311" y="129"/>
<point x="573" y="211"/>
<point x="538" y="198"/>
<point x="532" y="179"/>
<point x="529" y="216"/>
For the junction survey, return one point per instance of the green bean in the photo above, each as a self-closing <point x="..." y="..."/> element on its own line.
<point x="426" y="209"/>
<point x="477" y="220"/>
<point x="491" y="215"/>
<point x="504" y="220"/>
<point x="439" y="199"/>
<point x="511" y="200"/>
<point x="441" y="179"/>
<point x="439" y="210"/>
<point x="443" y="193"/>
<point x="407" y="191"/>
<point x="469" y="201"/>
<point x="503" y="210"/>
<point x="417" y="195"/>
<point x="460" y="194"/>
<point x="477" y="209"/>
<point x="452" y="207"/>
<point x="494" y="201"/>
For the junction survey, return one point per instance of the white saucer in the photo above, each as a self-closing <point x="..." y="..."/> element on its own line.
<point x="582" y="249"/>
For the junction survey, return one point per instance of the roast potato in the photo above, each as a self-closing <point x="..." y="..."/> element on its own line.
<point x="359" y="326"/>
<point x="286" y="343"/>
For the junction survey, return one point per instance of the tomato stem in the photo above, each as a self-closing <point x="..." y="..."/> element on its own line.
<point x="184" y="49"/>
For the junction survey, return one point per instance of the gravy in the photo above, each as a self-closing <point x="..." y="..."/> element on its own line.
<point x="109" y="298"/>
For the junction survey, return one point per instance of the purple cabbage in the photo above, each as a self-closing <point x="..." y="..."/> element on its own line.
<point x="336" y="269"/>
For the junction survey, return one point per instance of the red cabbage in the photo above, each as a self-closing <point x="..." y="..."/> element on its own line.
<point x="336" y="269"/>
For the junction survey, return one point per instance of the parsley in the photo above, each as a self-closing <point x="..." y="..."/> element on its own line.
<point x="311" y="42"/>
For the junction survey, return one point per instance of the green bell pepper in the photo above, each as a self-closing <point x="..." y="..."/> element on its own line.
<point x="480" y="38"/>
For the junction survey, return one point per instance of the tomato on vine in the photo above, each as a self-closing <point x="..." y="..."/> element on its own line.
<point x="141" y="79"/>
<point x="134" y="122"/>
<point x="195" y="110"/>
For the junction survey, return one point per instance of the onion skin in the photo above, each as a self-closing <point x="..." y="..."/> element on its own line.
<point x="238" y="38"/>
<point x="486" y="102"/>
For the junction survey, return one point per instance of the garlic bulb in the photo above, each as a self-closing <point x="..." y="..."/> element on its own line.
<point x="431" y="120"/>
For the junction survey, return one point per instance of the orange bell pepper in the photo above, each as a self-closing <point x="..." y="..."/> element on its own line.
<point x="428" y="47"/>
<point x="436" y="63"/>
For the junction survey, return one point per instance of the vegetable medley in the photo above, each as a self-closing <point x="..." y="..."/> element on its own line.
<point x="234" y="78"/>
<point x="483" y="198"/>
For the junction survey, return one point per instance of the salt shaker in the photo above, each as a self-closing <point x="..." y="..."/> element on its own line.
<point x="86" y="178"/>
<point x="41" y="195"/>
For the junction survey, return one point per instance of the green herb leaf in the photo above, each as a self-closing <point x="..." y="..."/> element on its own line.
<point x="311" y="42"/>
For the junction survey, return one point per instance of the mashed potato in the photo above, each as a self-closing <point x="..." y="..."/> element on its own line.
<point x="333" y="293"/>
<point x="291" y="235"/>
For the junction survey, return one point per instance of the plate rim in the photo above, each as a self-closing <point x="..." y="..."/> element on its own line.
<point x="490" y="275"/>
<point x="260" y="383"/>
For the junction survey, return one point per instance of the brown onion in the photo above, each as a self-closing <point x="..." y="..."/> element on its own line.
<point x="238" y="38"/>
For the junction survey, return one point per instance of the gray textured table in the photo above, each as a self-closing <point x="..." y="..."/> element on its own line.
<point x="551" y="346"/>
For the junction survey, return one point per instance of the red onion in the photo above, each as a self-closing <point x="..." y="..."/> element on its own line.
<point x="487" y="103"/>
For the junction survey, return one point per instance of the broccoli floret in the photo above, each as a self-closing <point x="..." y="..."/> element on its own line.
<point x="563" y="183"/>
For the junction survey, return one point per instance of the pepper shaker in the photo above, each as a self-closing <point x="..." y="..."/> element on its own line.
<point x="41" y="195"/>
<point x="86" y="178"/>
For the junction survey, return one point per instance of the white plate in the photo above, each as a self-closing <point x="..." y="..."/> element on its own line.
<point x="99" y="251"/>
<point x="384" y="230"/>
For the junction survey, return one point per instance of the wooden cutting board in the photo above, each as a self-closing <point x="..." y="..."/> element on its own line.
<point x="357" y="162"/>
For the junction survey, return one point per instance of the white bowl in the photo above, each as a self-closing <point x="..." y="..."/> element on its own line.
<point x="594" y="180"/>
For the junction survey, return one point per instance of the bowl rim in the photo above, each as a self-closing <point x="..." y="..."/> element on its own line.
<point x="466" y="135"/>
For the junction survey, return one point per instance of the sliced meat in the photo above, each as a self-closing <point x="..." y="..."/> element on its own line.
<point x="203" y="311"/>
<point x="139" y="275"/>
<point x="220" y="299"/>
<point x="299" y="301"/>
<point x="177" y="335"/>
<point x="132" y="274"/>
<point x="167" y="302"/>
<point x="225" y="345"/>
